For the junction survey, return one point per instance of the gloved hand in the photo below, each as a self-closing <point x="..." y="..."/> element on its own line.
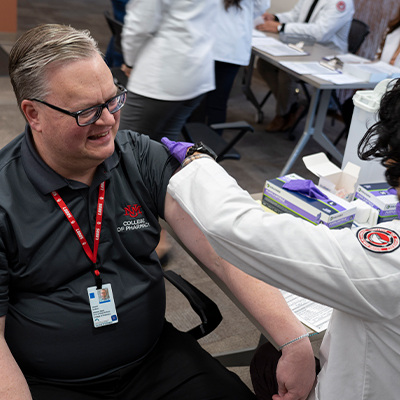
<point x="305" y="187"/>
<point x="177" y="149"/>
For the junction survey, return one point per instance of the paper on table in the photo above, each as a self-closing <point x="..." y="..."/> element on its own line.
<point x="316" y="316"/>
<point x="349" y="58"/>
<point x="275" y="47"/>
<point x="339" y="79"/>
<point x="308" y="67"/>
<point x="391" y="70"/>
<point x="258" y="34"/>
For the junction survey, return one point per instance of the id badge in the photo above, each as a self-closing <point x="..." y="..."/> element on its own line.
<point x="102" y="306"/>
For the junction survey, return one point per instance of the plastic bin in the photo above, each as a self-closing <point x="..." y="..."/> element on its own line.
<point x="366" y="105"/>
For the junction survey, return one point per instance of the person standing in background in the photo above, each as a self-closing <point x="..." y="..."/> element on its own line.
<point x="113" y="58"/>
<point x="167" y="48"/>
<point x="390" y="48"/>
<point x="328" y="22"/>
<point x="232" y="49"/>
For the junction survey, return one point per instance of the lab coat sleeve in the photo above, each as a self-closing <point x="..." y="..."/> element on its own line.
<point x="260" y="6"/>
<point x="325" y="25"/>
<point x="141" y="22"/>
<point x="327" y="266"/>
<point x="291" y="15"/>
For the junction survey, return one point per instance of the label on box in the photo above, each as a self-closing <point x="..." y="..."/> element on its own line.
<point x="328" y="212"/>
<point x="377" y="195"/>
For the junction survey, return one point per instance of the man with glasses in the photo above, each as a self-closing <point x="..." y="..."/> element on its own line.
<point x="79" y="209"/>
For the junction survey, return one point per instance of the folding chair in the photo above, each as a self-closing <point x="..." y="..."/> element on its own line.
<point x="197" y="131"/>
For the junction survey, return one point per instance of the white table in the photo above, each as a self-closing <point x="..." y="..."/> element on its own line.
<point x="319" y="101"/>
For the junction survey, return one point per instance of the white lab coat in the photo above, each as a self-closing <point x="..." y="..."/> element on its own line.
<point x="169" y="45"/>
<point x="392" y="41"/>
<point x="329" y="23"/>
<point x="360" y="353"/>
<point x="234" y="30"/>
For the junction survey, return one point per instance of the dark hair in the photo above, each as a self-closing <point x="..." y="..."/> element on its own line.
<point x="394" y="23"/>
<point x="382" y="140"/>
<point x="229" y="3"/>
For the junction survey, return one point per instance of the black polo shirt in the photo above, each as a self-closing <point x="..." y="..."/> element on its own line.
<point x="44" y="272"/>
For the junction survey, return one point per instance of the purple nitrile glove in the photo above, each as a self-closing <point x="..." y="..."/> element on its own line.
<point x="177" y="149"/>
<point x="305" y="187"/>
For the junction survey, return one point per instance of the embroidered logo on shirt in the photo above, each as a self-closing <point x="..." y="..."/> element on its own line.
<point x="132" y="222"/>
<point x="133" y="211"/>
<point x="341" y="6"/>
<point x="379" y="240"/>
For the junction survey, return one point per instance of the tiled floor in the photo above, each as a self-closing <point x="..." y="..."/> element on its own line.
<point x="263" y="156"/>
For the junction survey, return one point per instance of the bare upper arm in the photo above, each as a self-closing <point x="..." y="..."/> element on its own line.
<point x="2" y="325"/>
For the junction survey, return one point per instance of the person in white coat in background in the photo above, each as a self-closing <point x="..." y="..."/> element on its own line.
<point x="167" y="48"/>
<point x="328" y="22"/>
<point x="232" y="49"/>
<point x="355" y="272"/>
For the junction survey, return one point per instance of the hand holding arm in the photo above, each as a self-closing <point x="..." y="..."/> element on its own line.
<point x="295" y="367"/>
<point x="263" y="301"/>
<point x="177" y="149"/>
<point x="13" y="385"/>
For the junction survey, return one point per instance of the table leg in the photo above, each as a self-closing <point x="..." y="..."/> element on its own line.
<point x="314" y="127"/>
<point x="248" y="92"/>
<point x="308" y="132"/>
<point x="319" y="135"/>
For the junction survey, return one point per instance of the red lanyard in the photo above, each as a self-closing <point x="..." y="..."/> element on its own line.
<point x="99" y="216"/>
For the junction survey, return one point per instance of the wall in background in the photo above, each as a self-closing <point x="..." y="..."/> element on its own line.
<point x="8" y="16"/>
<point x="281" y="5"/>
<point x="376" y="14"/>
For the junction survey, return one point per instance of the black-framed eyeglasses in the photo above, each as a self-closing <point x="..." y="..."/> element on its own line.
<point x="92" y="114"/>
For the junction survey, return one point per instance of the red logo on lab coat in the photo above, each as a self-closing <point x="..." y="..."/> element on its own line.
<point x="379" y="240"/>
<point x="341" y="6"/>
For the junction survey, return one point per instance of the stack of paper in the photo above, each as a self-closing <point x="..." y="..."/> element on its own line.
<point x="275" y="47"/>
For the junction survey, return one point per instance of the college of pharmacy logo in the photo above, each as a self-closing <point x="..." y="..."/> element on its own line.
<point x="341" y="6"/>
<point x="379" y="240"/>
<point x="133" y="211"/>
<point x="133" y="219"/>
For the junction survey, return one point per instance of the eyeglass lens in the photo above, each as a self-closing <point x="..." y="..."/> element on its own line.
<point x="93" y="114"/>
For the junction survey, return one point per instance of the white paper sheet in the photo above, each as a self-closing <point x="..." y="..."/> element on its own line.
<point x="258" y="34"/>
<point x="349" y="58"/>
<point x="314" y="315"/>
<point x="275" y="47"/>
<point x="308" y="67"/>
<point x="339" y="79"/>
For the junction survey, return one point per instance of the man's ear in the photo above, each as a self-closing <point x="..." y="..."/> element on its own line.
<point x="31" y="112"/>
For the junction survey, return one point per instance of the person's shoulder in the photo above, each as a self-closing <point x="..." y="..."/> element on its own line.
<point x="127" y="136"/>
<point x="142" y="146"/>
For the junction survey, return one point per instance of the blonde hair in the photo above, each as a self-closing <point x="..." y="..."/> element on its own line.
<point x="40" y="47"/>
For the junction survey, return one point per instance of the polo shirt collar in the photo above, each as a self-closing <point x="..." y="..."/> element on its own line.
<point x="46" y="180"/>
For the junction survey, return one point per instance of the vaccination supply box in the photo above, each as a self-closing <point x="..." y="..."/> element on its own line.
<point x="378" y="196"/>
<point x="334" y="213"/>
<point x="342" y="183"/>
